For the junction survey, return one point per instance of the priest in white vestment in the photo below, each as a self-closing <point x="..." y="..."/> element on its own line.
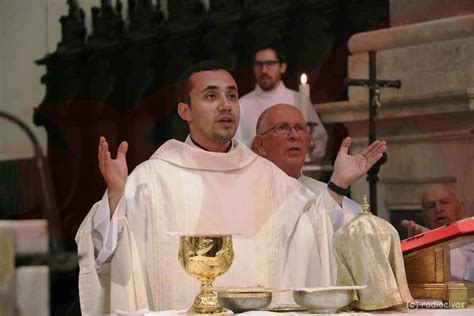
<point x="209" y="184"/>
<point x="283" y="137"/>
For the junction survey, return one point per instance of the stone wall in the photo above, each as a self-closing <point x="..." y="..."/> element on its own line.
<point x="429" y="122"/>
<point x="431" y="57"/>
<point x="404" y="12"/>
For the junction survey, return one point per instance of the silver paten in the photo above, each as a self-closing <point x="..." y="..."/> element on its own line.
<point x="240" y="302"/>
<point x="325" y="299"/>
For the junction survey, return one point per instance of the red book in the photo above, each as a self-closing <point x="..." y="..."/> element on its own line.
<point x="454" y="230"/>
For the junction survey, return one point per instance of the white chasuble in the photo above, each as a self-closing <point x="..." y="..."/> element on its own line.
<point x="281" y="234"/>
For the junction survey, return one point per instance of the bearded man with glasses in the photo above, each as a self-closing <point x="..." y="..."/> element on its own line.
<point x="269" y="67"/>
<point x="283" y="137"/>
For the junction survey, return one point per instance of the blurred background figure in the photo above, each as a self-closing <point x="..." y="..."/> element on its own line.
<point x="441" y="206"/>
<point x="269" y="66"/>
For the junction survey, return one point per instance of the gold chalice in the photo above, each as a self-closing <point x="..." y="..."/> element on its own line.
<point x="206" y="257"/>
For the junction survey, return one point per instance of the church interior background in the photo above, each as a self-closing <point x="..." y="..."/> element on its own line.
<point x="75" y="70"/>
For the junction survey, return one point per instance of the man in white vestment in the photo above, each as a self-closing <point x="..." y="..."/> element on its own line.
<point x="208" y="184"/>
<point x="283" y="137"/>
<point x="440" y="206"/>
<point x="269" y="67"/>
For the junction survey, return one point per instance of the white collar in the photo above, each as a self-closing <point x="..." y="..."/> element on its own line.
<point x="194" y="157"/>
<point x="190" y="142"/>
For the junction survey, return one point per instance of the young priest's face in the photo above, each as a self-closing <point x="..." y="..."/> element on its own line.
<point x="213" y="112"/>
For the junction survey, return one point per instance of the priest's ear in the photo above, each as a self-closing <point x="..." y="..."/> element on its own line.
<point x="257" y="146"/>
<point x="283" y="67"/>
<point x="184" y="112"/>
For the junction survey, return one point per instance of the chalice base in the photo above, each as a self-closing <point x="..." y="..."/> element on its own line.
<point x="206" y="303"/>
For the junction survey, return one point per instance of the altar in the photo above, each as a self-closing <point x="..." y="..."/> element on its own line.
<point x="427" y="312"/>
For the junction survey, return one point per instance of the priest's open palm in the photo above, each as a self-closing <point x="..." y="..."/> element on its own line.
<point x="348" y="168"/>
<point x="114" y="171"/>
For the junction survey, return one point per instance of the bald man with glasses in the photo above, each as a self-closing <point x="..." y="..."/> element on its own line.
<point x="269" y="67"/>
<point x="283" y="137"/>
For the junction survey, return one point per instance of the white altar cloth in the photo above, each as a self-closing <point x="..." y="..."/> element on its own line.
<point x="424" y="312"/>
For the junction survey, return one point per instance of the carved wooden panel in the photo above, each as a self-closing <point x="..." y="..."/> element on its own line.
<point x="119" y="80"/>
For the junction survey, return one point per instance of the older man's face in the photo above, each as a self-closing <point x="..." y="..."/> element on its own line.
<point x="441" y="206"/>
<point x="287" y="151"/>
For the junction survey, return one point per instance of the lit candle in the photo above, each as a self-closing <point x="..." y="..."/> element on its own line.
<point x="304" y="96"/>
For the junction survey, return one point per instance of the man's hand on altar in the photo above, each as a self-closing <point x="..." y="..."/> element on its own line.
<point x="413" y="228"/>
<point x="348" y="168"/>
<point x="114" y="171"/>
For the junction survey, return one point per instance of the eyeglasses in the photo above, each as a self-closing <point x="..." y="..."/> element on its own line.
<point x="268" y="63"/>
<point x="285" y="129"/>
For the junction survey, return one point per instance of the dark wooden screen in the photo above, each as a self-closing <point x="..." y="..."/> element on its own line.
<point x="119" y="80"/>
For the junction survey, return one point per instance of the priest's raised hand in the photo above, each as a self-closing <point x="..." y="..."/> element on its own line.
<point x="114" y="171"/>
<point x="348" y="168"/>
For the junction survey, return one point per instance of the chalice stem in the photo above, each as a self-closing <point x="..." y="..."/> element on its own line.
<point x="206" y="301"/>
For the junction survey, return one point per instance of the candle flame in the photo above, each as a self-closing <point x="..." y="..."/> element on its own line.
<point x="303" y="78"/>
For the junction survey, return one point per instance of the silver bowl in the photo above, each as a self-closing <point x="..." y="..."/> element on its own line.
<point x="240" y="302"/>
<point x="325" y="299"/>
